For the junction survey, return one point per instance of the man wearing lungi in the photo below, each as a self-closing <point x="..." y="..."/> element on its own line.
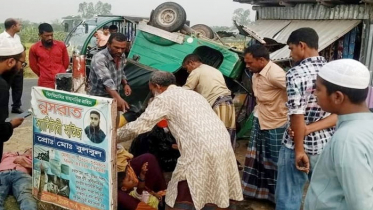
<point x="269" y="125"/>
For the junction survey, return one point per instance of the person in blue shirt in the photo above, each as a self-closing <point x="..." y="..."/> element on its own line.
<point x="343" y="176"/>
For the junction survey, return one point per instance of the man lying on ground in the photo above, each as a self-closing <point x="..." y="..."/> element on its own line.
<point x="15" y="170"/>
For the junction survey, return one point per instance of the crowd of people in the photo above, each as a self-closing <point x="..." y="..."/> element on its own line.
<point x="310" y="123"/>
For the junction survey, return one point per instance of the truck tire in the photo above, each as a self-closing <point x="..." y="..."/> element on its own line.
<point x="204" y="30"/>
<point x="168" y="16"/>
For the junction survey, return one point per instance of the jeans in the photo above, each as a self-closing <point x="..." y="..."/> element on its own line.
<point x="291" y="181"/>
<point x="20" y="184"/>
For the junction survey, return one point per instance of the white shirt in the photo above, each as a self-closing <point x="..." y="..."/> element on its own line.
<point x="16" y="38"/>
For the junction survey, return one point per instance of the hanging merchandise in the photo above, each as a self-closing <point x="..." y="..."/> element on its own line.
<point x="340" y="49"/>
<point x="351" y="47"/>
<point x="346" y="42"/>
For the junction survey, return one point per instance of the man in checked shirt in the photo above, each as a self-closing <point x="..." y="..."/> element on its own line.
<point x="107" y="76"/>
<point x="310" y="127"/>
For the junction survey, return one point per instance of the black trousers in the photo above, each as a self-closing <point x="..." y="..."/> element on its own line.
<point x="17" y="89"/>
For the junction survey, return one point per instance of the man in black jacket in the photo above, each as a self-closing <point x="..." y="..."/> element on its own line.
<point x="12" y="60"/>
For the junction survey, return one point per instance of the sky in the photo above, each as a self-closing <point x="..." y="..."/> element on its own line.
<point x="207" y="12"/>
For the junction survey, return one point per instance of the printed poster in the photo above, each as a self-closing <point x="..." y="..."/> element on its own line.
<point x="73" y="144"/>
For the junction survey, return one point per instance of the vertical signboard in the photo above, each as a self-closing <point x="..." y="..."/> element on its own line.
<point x="73" y="145"/>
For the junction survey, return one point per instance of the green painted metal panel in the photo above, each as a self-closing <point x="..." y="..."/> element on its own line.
<point x="165" y="55"/>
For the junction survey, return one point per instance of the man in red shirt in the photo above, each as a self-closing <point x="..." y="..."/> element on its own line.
<point x="48" y="57"/>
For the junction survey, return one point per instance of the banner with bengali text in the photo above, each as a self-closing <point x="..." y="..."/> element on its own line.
<point x="73" y="144"/>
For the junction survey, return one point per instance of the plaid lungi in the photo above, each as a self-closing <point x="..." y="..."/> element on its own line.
<point x="260" y="172"/>
<point x="225" y="110"/>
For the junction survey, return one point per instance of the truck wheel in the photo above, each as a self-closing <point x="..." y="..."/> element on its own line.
<point x="151" y="17"/>
<point x="168" y="16"/>
<point x="204" y="30"/>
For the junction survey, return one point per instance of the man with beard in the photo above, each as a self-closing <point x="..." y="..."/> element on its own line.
<point x="12" y="27"/>
<point x="12" y="59"/>
<point x="48" y="57"/>
<point x="93" y="131"/>
<point x="107" y="78"/>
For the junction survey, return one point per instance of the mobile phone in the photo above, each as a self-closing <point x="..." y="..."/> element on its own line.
<point x="24" y="115"/>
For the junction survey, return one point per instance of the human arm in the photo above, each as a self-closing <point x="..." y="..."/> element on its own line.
<point x="126" y="86"/>
<point x="325" y="123"/>
<point x="277" y="77"/>
<point x="192" y="81"/>
<point x="6" y="130"/>
<point x="297" y="124"/>
<point x="24" y="161"/>
<point x="34" y="61"/>
<point x="99" y="66"/>
<point x="121" y="104"/>
<point x="141" y="185"/>
<point x="65" y="57"/>
<point x="353" y="164"/>
<point x="296" y="105"/>
<point x="156" y="111"/>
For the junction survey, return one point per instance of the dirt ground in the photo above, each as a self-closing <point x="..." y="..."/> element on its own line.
<point x="22" y="139"/>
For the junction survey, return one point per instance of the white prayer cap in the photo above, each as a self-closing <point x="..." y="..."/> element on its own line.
<point x="347" y="73"/>
<point x="9" y="47"/>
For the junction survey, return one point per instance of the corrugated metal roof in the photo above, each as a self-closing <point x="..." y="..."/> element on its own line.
<point x="268" y="28"/>
<point x="286" y="2"/>
<point x="316" y="12"/>
<point x="328" y="31"/>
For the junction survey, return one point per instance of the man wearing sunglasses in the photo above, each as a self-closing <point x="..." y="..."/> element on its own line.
<point x="12" y="27"/>
<point x="12" y="60"/>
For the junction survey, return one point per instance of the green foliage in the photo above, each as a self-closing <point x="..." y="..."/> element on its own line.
<point x="30" y="34"/>
<point x="242" y="16"/>
<point x="89" y="10"/>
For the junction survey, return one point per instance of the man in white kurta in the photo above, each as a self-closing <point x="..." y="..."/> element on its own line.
<point x="207" y="160"/>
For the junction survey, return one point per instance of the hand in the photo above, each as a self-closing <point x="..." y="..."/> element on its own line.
<point x="174" y="146"/>
<point x="122" y="105"/>
<point x="20" y="160"/>
<point x="16" y="122"/>
<point x="144" y="169"/>
<point x="291" y="132"/>
<point x="302" y="162"/>
<point x="127" y="90"/>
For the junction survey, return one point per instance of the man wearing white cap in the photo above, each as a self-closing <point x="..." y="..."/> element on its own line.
<point x="343" y="176"/>
<point x="12" y="59"/>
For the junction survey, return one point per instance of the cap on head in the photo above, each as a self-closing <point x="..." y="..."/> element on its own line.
<point x="9" y="47"/>
<point x="347" y="73"/>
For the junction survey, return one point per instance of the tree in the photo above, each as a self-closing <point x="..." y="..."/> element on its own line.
<point x="57" y="25"/>
<point x="242" y="16"/>
<point x="89" y="10"/>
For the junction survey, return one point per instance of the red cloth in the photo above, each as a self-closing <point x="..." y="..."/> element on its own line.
<point x="46" y="63"/>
